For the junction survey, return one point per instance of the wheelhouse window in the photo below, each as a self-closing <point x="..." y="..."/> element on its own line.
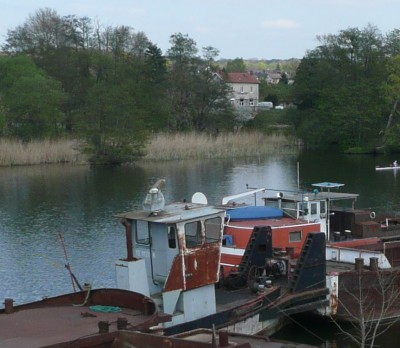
<point x="322" y="207"/>
<point x="303" y="209"/>
<point x="141" y="231"/>
<point x="213" y="229"/>
<point x="295" y="236"/>
<point x="172" y="237"/>
<point x="193" y="234"/>
<point x="314" y="208"/>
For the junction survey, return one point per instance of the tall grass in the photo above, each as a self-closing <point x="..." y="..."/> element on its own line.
<point x="162" y="146"/>
<point x="226" y="145"/>
<point x="13" y="152"/>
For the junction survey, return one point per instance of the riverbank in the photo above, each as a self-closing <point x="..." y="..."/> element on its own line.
<point x="161" y="147"/>
<point x="14" y="152"/>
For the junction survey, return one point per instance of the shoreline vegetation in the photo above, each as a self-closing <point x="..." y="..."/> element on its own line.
<point x="161" y="147"/>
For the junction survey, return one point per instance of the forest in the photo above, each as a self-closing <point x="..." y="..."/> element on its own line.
<point x="68" y="76"/>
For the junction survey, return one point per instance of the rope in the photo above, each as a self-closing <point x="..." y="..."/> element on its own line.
<point x="87" y="288"/>
<point x="105" y="309"/>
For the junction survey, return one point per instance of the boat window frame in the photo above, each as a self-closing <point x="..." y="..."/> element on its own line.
<point x="322" y="207"/>
<point x="314" y="208"/>
<point x="193" y="236"/>
<point x="213" y="229"/>
<point x="297" y="233"/>
<point x="171" y="235"/>
<point x="142" y="239"/>
<point x="303" y="208"/>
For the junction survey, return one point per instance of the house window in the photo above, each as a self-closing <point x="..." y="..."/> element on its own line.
<point x="241" y="102"/>
<point x="295" y="236"/>
<point x="251" y="89"/>
<point x="213" y="229"/>
<point x="241" y="89"/>
<point x="251" y="101"/>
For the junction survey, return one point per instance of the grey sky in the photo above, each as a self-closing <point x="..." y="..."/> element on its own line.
<point x="260" y="29"/>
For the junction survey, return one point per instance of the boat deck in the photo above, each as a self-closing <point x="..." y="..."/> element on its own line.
<point x="54" y="322"/>
<point x="227" y="299"/>
<point x="41" y="327"/>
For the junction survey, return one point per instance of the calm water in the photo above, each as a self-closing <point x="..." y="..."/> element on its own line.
<point x="37" y="204"/>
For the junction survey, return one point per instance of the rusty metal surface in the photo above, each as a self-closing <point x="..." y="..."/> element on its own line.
<point x="54" y="321"/>
<point x="377" y="290"/>
<point x="199" y="267"/>
<point x="107" y="297"/>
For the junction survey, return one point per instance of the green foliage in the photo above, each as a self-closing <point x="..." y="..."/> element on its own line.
<point x="236" y="65"/>
<point x="113" y="125"/>
<point x="277" y="94"/>
<point x="338" y="90"/>
<point x="112" y="86"/>
<point x="273" y="122"/>
<point x="32" y="101"/>
<point x="197" y="93"/>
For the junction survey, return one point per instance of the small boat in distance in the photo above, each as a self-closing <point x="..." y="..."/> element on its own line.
<point x="394" y="165"/>
<point x="387" y="168"/>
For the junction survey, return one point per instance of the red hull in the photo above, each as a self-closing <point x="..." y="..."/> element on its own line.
<point x="287" y="235"/>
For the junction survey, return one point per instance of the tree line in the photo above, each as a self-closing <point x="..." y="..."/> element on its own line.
<point x="347" y="91"/>
<point x="112" y="87"/>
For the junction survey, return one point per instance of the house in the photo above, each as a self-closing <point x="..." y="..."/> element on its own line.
<point x="244" y="89"/>
<point x="274" y="78"/>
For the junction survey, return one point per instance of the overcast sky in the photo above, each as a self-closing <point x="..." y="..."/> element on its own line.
<point x="262" y="29"/>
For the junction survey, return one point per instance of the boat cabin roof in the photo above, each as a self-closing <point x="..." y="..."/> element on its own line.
<point x="173" y="213"/>
<point x="314" y="196"/>
<point x="322" y="192"/>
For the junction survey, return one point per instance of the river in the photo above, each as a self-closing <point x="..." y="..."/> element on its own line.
<point x="38" y="204"/>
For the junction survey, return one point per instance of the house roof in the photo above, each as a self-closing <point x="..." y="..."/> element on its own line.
<point x="241" y="78"/>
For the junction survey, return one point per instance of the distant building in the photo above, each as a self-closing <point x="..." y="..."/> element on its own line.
<point x="244" y="89"/>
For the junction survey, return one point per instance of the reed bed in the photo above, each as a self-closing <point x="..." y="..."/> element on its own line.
<point x="13" y="152"/>
<point x="161" y="147"/>
<point x="226" y="145"/>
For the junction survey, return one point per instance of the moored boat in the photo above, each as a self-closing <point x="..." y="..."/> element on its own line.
<point x="387" y="167"/>
<point x="175" y="251"/>
<point x="353" y="237"/>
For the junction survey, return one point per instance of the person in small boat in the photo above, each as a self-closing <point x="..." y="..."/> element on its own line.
<point x="394" y="164"/>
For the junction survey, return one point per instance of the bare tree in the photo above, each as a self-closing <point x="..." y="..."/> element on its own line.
<point x="370" y="301"/>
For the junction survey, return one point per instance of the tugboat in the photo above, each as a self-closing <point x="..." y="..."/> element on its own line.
<point x="173" y="257"/>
